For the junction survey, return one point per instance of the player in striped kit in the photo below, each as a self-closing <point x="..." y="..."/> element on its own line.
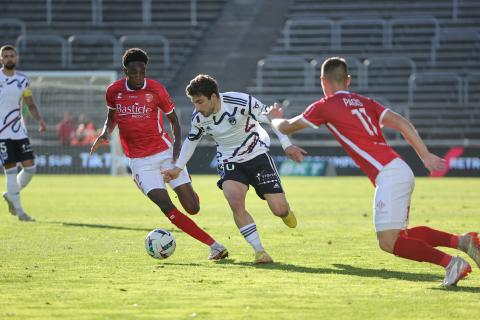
<point x="356" y="122"/>
<point x="233" y="120"/>
<point x="15" y="146"/>
<point x="136" y="105"/>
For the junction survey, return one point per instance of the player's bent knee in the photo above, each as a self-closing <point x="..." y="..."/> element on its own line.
<point x="191" y="208"/>
<point x="280" y="210"/>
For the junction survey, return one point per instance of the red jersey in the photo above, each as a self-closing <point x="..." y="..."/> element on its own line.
<point x="139" y="116"/>
<point x="355" y="121"/>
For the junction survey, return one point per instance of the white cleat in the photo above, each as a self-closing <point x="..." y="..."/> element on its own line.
<point x="11" y="207"/>
<point x="456" y="270"/>
<point x="218" y="252"/>
<point x="470" y="244"/>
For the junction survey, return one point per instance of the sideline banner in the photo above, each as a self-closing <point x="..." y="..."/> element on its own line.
<point x="320" y="161"/>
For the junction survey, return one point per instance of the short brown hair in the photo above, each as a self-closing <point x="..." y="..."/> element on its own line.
<point x="335" y="69"/>
<point x="202" y="84"/>
<point x="8" y="47"/>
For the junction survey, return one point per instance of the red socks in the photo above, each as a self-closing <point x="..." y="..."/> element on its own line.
<point x="419" y="250"/>
<point x="433" y="237"/>
<point x="187" y="225"/>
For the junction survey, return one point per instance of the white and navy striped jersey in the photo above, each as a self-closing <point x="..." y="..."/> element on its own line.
<point x="12" y="90"/>
<point x="235" y="128"/>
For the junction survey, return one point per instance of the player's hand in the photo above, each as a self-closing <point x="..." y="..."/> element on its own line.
<point x="275" y="111"/>
<point x="171" y="174"/>
<point x="434" y="163"/>
<point x="101" y="139"/>
<point x="42" y="126"/>
<point x="295" y="153"/>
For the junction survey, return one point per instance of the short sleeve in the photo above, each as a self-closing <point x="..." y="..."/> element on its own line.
<point x="165" y="101"/>
<point x="257" y="109"/>
<point x="109" y="98"/>
<point x="379" y="110"/>
<point x="313" y="115"/>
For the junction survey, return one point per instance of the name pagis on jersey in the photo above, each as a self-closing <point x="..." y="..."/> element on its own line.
<point x="135" y="110"/>
<point x="352" y="102"/>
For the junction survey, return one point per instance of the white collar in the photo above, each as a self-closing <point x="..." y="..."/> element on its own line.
<point x="128" y="89"/>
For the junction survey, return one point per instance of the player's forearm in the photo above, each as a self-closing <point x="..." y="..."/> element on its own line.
<point x="34" y="112"/>
<point x="282" y="126"/>
<point x="284" y="140"/>
<point x="109" y="123"/>
<point x="410" y="134"/>
<point x="188" y="148"/>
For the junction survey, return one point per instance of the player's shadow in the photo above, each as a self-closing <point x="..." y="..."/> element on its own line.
<point x="461" y="288"/>
<point x="343" y="269"/>
<point x="100" y="226"/>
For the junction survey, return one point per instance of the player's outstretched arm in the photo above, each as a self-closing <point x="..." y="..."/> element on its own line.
<point x="107" y="129"/>
<point x="395" y="121"/>
<point x="285" y="126"/>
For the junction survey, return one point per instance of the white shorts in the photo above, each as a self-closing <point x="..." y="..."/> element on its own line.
<point x="147" y="171"/>
<point x="391" y="204"/>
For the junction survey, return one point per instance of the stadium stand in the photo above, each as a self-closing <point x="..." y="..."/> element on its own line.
<point x="392" y="53"/>
<point x="79" y="35"/>
<point x="93" y="30"/>
<point x="414" y="56"/>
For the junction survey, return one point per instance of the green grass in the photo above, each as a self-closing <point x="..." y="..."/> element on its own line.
<point x="84" y="257"/>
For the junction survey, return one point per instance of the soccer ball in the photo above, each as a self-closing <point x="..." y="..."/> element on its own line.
<point x="160" y="244"/>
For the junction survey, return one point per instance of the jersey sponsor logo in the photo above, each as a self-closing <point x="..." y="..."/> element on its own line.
<point x="263" y="177"/>
<point x="352" y="102"/>
<point x="136" y="109"/>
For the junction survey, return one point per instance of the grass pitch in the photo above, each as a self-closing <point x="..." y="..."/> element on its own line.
<point x="84" y="258"/>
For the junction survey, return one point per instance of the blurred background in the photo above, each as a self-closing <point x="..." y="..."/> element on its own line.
<point x="419" y="58"/>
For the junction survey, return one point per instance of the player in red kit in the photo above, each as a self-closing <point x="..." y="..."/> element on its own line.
<point x="136" y="104"/>
<point x="356" y="122"/>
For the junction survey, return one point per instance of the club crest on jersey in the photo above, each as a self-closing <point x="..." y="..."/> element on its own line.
<point x="232" y="121"/>
<point x="149" y="97"/>
<point x="119" y="95"/>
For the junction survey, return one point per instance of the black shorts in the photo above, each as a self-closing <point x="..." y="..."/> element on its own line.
<point x="13" y="151"/>
<point x="260" y="172"/>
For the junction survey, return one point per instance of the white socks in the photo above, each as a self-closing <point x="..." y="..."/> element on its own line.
<point x="25" y="176"/>
<point x="249" y="232"/>
<point x="13" y="189"/>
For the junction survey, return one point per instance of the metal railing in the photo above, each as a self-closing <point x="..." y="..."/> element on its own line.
<point x="155" y="38"/>
<point x="411" y="20"/>
<point x="290" y="23"/>
<point x="466" y="86"/>
<point x="446" y="35"/>
<point x="91" y="38"/>
<point x="15" y="23"/>
<point x="434" y="77"/>
<point x="21" y="42"/>
<point x="387" y="61"/>
<point x="334" y="28"/>
<point x="284" y="61"/>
